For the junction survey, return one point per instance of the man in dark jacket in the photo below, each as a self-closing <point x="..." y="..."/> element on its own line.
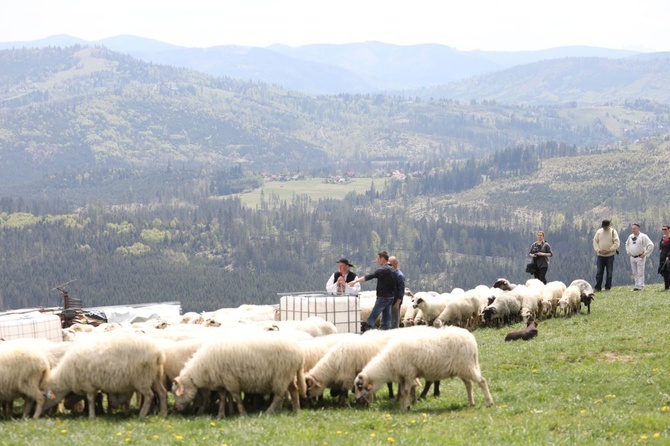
<point x="387" y="279"/>
<point x="399" y="293"/>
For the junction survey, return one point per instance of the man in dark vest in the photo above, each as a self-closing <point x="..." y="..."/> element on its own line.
<point x="338" y="283"/>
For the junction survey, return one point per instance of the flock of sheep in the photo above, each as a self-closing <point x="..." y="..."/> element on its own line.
<point x="235" y="357"/>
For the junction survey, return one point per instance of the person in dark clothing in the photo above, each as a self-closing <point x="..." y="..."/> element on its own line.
<point x="387" y="279"/>
<point x="540" y="251"/>
<point x="664" y="247"/>
<point x="399" y="293"/>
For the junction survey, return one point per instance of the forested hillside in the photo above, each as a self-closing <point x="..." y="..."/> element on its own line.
<point x="579" y="80"/>
<point x="86" y="111"/>
<point x="126" y="176"/>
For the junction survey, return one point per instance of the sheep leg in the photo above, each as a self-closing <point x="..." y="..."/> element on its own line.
<point x="425" y="390"/>
<point x="485" y="388"/>
<point x="436" y="389"/>
<point x="238" y="399"/>
<point x="27" y="407"/>
<point x="90" y="398"/>
<point x="147" y="397"/>
<point x="222" y="403"/>
<point x="294" y="393"/>
<point x="277" y="401"/>
<point x="390" y="387"/>
<point x="468" y="389"/>
<point x="404" y="388"/>
<point x="342" y="399"/>
<point x="160" y="391"/>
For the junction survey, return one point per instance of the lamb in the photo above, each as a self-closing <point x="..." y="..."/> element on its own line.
<point x="527" y="333"/>
<point x="267" y="363"/>
<point x="431" y="354"/>
<point x="119" y="363"/>
<point x="585" y="292"/>
<point x="23" y="374"/>
<point x="570" y="302"/>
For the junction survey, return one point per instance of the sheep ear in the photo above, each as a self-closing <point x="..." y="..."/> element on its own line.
<point x="368" y="387"/>
<point x="179" y="391"/>
<point x="50" y="395"/>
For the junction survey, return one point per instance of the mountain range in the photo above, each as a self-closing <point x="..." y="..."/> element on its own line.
<point x="373" y="67"/>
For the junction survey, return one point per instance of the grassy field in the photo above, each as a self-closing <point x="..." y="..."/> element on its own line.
<point x="315" y="188"/>
<point x="595" y="379"/>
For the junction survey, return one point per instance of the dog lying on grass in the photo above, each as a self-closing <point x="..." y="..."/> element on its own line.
<point x="527" y="333"/>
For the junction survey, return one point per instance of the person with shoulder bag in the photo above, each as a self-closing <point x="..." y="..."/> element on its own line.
<point x="605" y="243"/>
<point x="540" y="251"/>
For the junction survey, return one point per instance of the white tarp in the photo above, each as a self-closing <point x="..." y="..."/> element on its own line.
<point x="131" y="314"/>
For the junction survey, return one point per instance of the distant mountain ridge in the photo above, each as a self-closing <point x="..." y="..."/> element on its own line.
<point x="369" y="67"/>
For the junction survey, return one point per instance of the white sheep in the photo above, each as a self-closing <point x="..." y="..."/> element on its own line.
<point x="534" y="282"/>
<point x="267" y="363"/>
<point x="551" y="294"/>
<point x="314" y="326"/>
<point x="117" y="363"/>
<point x="316" y="348"/>
<point x="23" y="374"/>
<point x="506" y="308"/>
<point x="431" y="305"/>
<point x="570" y="302"/>
<point x="459" y="311"/>
<point x="432" y="354"/>
<point x="586" y="292"/>
<point x="337" y="369"/>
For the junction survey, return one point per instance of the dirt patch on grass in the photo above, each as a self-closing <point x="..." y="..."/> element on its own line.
<point x="615" y="357"/>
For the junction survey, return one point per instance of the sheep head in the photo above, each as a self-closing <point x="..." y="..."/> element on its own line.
<point x="314" y="388"/>
<point x="363" y="389"/>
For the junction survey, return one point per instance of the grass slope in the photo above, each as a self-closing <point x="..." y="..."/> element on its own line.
<point x="601" y="378"/>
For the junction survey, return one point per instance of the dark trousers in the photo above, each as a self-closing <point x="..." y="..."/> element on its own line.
<point x="541" y="274"/>
<point x="666" y="279"/>
<point x="603" y="263"/>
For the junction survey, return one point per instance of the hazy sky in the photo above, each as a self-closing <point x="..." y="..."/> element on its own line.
<point x="513" y="25"/>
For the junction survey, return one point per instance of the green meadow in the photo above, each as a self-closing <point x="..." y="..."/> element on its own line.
<point x="591" y="379"/>
<point x="315" y="188"/>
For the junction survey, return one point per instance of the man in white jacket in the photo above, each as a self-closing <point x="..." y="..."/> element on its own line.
<point x="638" y="247"/>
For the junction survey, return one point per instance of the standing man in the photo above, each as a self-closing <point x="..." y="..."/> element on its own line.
<point x="386" y="285"/>
<point x="606" y="243"/>
<point x="338" y="281"/>
<point x="399" y="293"/>
<point x="638" y="247"/>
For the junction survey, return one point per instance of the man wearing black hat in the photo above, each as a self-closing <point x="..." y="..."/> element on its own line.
<point x="338" y="283"/>
<point x="606" y="244"/>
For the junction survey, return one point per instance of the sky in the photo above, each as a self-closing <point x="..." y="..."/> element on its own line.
<point x="492" y="25"/>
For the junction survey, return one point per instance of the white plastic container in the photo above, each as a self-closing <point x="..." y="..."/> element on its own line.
<point x="341" y="311"/>
<point x="31" y="325"/>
